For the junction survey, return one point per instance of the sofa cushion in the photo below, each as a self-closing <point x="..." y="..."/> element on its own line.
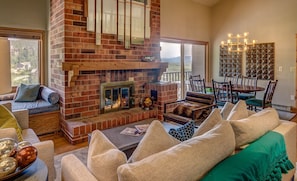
<point x="7" y="120"/>
<point x="239" y="111"/>
<point x="27" y="93"/>
<point x="189" y="160"/>
<point x="156" y="139"/>
<point x="209" y="123"/>
<point x="184" y="132"/>
<point x="225" y="111"/>
<point x="103" y="157"/>
<point x="249" y="129"/>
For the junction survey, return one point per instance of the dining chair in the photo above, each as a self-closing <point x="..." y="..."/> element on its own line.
<point x="248" y="81"/>
<point x="253" y="103"/>
<point x="234" y="79"/>
<point x="223" y="93"/>
<point x="197" y="84"/>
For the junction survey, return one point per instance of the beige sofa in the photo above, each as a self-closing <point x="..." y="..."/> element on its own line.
<point x="185" y="160"/>
<point x="45" y="148"/>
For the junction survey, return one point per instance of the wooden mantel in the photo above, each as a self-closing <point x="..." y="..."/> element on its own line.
<point x="73" y="68"/>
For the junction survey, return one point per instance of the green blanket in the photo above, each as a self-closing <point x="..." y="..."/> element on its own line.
<point x="264" y="159"/>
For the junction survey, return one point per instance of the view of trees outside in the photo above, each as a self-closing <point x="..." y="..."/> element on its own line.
<point x="24" y="55"/>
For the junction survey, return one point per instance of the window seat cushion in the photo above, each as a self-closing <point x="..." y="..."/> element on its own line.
<point x="38" y="106"/>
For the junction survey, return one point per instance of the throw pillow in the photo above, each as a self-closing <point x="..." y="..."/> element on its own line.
<point x="225" y="111"/>
<point x="103" y="157"/>
<point x="27" y="93"/>
<point x="49" y="95"/>
<point x="184" y="132"/>
<point x="189" y="160"/>
<point x="239" y="111"/>
<point x="155" y="140"/>
<point x="209" y="123"/>
<point x="251" y="128"/>
<point x="7" y="120"/>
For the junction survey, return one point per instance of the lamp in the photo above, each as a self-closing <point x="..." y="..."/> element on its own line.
<point x="5" y="80"/>
<point x="237" y="43"/>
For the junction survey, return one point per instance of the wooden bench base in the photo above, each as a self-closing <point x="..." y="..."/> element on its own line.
<point x="44" y="123"/>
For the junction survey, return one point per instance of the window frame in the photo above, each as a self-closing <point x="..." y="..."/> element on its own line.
<point x="182" y="42"/>
<point x="29" y="34"/>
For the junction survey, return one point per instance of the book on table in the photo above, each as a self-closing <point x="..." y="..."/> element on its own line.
<point x="136" y="131"/>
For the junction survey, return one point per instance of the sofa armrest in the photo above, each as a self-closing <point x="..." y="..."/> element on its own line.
<point x="46" y="153"/>
<point x="73" y="169"/>
<point x="288" y="130"/>
<point x="8" y="133"/>
<point x="22" y="117"/>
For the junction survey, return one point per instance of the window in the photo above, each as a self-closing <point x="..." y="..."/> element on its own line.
<point x="184" y="58"/>
<point x="25" y="55"/>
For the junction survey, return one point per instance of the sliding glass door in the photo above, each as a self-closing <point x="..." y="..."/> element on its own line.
<point x="184" y="59"/>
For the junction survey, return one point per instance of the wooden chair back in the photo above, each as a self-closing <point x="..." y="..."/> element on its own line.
<point x="249" y="81"/>
<point x="197" y="84"/>
<point x="222" y="92"/>
<point x="269" y="92"/>
<point x="233" y="79"/>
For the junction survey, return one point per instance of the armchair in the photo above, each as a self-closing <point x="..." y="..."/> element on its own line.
<point x="45" y="148"/>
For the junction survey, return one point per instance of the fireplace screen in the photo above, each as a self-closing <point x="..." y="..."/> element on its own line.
<point x="116" y="96"/>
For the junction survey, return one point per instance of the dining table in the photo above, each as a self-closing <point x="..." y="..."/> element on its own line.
<point x="240" y="88"/>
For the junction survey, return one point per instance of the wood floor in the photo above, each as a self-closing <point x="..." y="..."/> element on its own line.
<point x="62" y="145"/>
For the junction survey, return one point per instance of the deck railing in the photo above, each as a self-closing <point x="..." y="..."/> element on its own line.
<point x="176" y="78"/>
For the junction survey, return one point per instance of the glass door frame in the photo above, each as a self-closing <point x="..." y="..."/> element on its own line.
<point x="182" y="42"/>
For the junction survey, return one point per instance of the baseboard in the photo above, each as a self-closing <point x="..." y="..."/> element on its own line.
<point x="282" y="107"/>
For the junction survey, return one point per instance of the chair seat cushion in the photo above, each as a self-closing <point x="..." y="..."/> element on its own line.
<point x="244" y="96"/>
<point x="254" y="102"/>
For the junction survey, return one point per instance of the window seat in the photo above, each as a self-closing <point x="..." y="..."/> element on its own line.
<point x="44" y="113"/>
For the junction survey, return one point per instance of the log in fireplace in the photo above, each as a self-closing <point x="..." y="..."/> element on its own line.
<point x="116" y="96"/>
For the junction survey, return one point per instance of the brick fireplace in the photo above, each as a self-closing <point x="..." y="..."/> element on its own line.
<point x="78" y="68"/>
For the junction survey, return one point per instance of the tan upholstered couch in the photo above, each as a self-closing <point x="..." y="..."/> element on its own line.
<point x="45" y="148"/>
<point x="176" y="162"/>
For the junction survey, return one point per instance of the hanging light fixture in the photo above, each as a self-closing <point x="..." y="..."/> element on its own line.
<point x="238" y="42"/>
<point x="5" y="81"/>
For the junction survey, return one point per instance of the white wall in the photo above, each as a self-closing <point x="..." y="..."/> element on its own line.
<point x="185" y="19"/>
<point x="30" y="14"/>
<point x="27" y="14"/>
<point x="266" y="21"/>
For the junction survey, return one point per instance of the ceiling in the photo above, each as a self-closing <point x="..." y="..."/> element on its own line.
<point x="208" y="3"/>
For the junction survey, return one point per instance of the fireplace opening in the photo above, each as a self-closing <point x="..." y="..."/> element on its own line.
<point x="116" y="96"/>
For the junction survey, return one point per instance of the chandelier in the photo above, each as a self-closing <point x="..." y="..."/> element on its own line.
<point x="238" y="42"/>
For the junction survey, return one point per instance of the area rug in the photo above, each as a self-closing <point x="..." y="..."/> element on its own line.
<point x="80" y="153"/>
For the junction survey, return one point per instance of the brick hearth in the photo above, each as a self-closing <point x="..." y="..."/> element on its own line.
<point x="77" y="130"/>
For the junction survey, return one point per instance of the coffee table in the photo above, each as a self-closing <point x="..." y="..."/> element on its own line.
<point x="127" y="143"/>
